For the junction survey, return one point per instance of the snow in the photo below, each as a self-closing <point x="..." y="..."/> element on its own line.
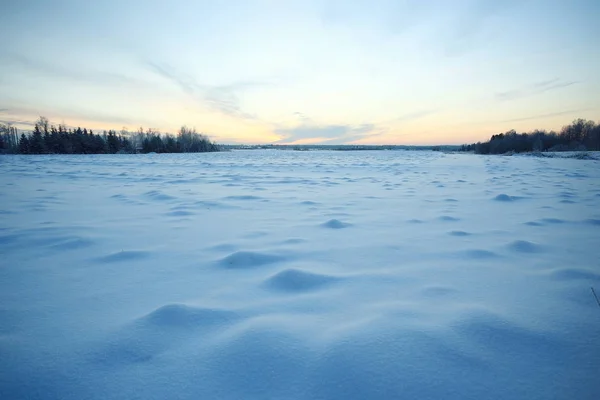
<point x="299" y="275"/>
<point x="582" y="155"/>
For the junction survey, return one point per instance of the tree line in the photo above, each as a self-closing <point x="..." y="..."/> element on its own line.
<point x="580" y="135"/>
<point x="49" y="139"/>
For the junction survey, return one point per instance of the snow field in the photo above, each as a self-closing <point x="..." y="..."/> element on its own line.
<point x="299" y="275"/>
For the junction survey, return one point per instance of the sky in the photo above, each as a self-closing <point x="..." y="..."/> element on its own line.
<point x="328" y="72"/>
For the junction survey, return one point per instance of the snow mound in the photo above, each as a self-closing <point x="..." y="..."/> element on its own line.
<point x="249" y="259"/>
<point x="495" y="333"/>
<point x="553" y="221"/>
<point x="576" y="274"/>
<point x="459" y="233"/>
<point x="180" y="213"/>
<point x="448" y="218"/>
<point x="73" y="243"/>
<point x="123" y="256"/>
<point x="164" y="330"/>
<point x="184" y="316"/>
<point x="244" y="198"/>
<point x="224" y="247"/>
<point x="296" y="280"/>
<point x="534" y="223"/>
<point x="335" y="224"/>
<point x="158" y="196"/>
<point x="505" y="198"/>
<point x="523" y="246"/>
<point x="208" y="204"/>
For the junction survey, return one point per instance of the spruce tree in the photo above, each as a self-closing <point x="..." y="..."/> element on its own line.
<point x="112" y="142"/>
<point x="23" y="144"/>
<point x="36" y="143"/>
<point x="55" y="140"/>
<point x="47" y="142"/>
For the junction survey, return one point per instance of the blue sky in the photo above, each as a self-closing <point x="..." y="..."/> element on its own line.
<point x="414" y="72"/>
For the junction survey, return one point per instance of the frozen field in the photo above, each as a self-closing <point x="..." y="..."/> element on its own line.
<point x="299" y="275"/>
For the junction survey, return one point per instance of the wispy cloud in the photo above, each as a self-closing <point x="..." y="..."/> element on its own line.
<point x="533" y="89"/>
<point x="186" y="83"/>
<point x="417" y="115"/>
<point x="223" y="99"/>
<point x="302" y="117"/>
<point x="17" y="122"/>
<point x="342" y="133"/>
<point x="351" y="138"/>
<point x="549" y="115"/>
<point x="28" y="115"/>
<point x="102" y="118"/>
<point x="326" y="133"/>
<point x="54" y="70"/>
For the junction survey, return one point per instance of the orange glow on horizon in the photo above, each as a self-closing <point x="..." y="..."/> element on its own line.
<point x="228" y="129"/>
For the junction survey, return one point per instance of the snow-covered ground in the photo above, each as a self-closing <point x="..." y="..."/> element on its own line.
<point x="581" y="155"/>
<point x="299" y="275"/>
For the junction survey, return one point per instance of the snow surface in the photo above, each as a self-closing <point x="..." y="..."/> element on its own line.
<point x="581" y="155"/>
<point x="299" y="275"/>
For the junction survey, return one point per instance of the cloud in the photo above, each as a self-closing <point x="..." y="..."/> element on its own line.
<point x="186" y="84"/>
<point x="25" y="115"/>
<point x="417" y="115"/>
<point x="340" y="134"/>
<point x="550" y="115"/>
<point x="100" y="117"/>
<point x="77" y="74"/>
<point x="223" y="99"/>
<point x="17" y="122"/>
<point x="533" y="89"/>
<point x="331" y="133"/>
<point x="302" y="117"/>
<point x="354" y="138"/>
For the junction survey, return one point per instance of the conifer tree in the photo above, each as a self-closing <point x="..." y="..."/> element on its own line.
<point x="24" y="144"/>
<point x="36" y="143"/>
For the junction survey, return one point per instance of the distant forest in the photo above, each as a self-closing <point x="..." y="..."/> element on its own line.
<point x="580" y="135"/>
<point x="50" y="139"/>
